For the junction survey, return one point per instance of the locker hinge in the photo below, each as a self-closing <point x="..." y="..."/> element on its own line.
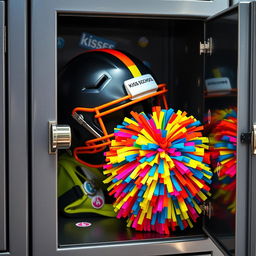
<point x="246" y="137"/>
<point x="207" y="209"/>
<point x="206" y="47"/>
<point x="250" y="138"/>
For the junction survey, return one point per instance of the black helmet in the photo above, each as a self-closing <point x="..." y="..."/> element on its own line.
<point x="93" y="88"/>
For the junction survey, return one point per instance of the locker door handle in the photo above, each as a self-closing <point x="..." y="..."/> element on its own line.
<point x="254" y="139"/>
<point x="59" y="137"/>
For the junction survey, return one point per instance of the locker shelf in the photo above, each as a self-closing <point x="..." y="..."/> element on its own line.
<point x="112" y="230"/>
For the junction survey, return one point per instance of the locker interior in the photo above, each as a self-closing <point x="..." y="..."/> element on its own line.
<point x="171" y="48"/>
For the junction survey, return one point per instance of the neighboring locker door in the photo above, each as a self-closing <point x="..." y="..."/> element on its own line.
<point x="227" y="71"/>
<point x="2" y="133"/>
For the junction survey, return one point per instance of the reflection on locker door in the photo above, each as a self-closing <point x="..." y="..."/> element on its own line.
<point x="229" y="62"/>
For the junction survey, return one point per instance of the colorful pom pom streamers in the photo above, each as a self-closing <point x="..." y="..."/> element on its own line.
<point x="223" y="141"/>
<point x="158" y="170"/>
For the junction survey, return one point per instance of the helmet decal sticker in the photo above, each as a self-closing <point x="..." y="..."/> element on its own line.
<point x="140" y="86"/>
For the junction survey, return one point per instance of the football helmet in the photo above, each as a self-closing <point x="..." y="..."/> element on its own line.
<point x="96" y="90"/>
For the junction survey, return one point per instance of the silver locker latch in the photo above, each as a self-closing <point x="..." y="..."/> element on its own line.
<point x="206" y="47"/>
<point x="59" y="137"/>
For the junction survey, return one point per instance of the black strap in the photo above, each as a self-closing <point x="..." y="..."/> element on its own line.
<point x="69" y="197"/>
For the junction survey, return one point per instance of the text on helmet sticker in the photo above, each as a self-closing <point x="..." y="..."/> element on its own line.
<point x="140" y="86"/>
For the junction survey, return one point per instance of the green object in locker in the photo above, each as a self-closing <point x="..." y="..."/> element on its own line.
<point x="80" y="189"/>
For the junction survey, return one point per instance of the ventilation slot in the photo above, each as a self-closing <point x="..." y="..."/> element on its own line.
<point x="101" y="81"/>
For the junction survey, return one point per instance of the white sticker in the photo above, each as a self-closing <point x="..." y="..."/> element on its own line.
<point x="140" y="86"/>
<point x="83" y="224"/>
<point x="218" y="84"/>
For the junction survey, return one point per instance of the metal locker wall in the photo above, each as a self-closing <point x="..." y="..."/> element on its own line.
<point x="2" y="131"/>
<point x="17" y="129"/>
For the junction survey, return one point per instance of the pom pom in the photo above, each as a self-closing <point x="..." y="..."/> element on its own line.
<point x="158" y="170"/>
<point x="223" y="142"/>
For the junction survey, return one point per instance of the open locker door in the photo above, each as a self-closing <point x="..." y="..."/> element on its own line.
<point x="252" y="165"/>
<point x="227" y="71"/>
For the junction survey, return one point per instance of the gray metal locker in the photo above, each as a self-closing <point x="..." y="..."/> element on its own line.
<point x="53" y="235"/>
<point x="13" y="129"/>
<point x="2" y="132"/>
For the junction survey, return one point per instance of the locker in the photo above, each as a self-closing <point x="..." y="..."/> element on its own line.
<point x="158" y="33"/>
<point x="13" y="129"/>
<point x="2" y="137"/>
